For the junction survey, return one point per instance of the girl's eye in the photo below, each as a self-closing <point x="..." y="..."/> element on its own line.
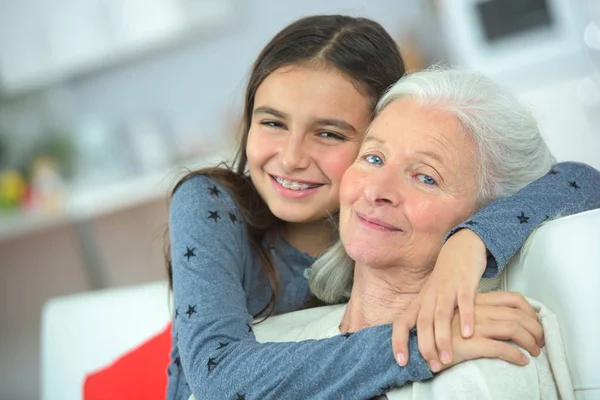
<point x="331" y="135"/>
<point x="272" y="124"/>
<point x="373" y="159"/>
<point x="426" y="179"/>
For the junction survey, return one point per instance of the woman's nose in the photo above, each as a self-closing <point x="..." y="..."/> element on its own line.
<point x="383" y="187"/>
<point x="294" y="154"/>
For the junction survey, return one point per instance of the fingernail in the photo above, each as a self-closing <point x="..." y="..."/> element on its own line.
<point x="467" y="330"/>
<point x="401" y="358"/>
<point x="445" y="356"/>
<point x="434" y="365"/>
<point x="525" y="359"/>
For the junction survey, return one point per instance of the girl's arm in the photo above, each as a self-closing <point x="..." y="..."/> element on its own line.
<point x="213" y="328"/>
<point x="505" y="224"/>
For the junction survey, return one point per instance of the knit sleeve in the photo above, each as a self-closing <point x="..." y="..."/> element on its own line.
<point x="219" y="354"/>
<point x="505" y="224"/>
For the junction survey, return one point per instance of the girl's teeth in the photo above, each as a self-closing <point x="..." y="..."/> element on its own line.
<point x="292" y="185"/>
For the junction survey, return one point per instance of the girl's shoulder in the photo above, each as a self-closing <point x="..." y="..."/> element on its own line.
<point x="201" y="200"/>
<point x="203" y="189"/>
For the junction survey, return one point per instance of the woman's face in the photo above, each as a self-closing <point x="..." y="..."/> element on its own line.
<point x="306" y="130"/>
<point x="414" y="179"/>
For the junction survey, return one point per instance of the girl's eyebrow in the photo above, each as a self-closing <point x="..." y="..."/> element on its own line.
<point x="271" y="111"/>
<point x="337" y="123"/>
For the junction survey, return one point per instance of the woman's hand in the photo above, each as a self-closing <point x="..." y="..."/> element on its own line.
<point x="499" y="317"/>
<point x="452" y="283"/>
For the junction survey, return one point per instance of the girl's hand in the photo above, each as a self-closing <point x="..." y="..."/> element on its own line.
<point x="452" y="283"/>
<point x="499" y="317"/>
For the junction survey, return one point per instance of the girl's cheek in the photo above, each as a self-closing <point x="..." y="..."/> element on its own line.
<point x="338" y="164"/>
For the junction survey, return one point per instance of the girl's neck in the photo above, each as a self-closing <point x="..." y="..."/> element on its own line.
<point x="379" y="296"/>
<point x="310" y="237"/>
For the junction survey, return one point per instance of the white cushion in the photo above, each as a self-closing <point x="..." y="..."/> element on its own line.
<point x="560" y="266"/>
<point x="85" y="332"/>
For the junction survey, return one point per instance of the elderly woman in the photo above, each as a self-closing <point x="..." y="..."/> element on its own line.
<point x="444" y="144"/>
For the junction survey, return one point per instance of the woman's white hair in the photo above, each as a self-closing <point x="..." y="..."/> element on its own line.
<point x="511" y="151"/>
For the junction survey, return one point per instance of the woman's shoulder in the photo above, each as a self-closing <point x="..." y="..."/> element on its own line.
<point x="312" y="323"/>
<point x="486" y="378"/>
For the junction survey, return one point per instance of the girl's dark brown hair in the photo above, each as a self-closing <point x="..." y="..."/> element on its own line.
<point x="357" y="47"/>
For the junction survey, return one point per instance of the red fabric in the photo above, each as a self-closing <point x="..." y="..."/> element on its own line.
<point x="139" y="374"/>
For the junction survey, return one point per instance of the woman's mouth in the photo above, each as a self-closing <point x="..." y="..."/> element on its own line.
<point x="376" y="224"/>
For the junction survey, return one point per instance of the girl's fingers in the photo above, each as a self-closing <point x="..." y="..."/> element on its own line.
<point x="466" y="309"/>
<point x="489" y="348"/>
<point x="529" y="323"/>
<point x="510" y="330"/>
<point x="425" y="331"/>
<point x="444" y="312"/>
<point x="400" y="332"/>
<point x="506" y="299"/>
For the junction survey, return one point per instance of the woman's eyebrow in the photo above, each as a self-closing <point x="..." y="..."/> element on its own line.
<point x="371" y="138"/>
<point x="271" y="111"/>
<point x="432" y="155"/>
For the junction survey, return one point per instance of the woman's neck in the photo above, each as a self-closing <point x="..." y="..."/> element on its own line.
<point x="310" y="237"/>
<point x="379" y="296"/>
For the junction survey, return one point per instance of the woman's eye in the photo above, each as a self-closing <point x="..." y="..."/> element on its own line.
<point x="426" y="179"/>
<point x="331" y="135"/>
<point x="272" y="124"/>
<point x="373" y="159"/>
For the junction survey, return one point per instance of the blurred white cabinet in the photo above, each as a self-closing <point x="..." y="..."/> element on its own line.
<point x="42" y="42"/>
<point x="568" y="113"/>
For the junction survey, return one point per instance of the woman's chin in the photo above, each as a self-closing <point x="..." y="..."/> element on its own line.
<point x="366" y="253"/>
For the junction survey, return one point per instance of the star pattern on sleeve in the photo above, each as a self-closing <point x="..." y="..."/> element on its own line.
<point x="190" y="253"/>
<point x="191" y="310"/>
<point x="232" y="217"/>
<point x="177" y="313"/>
<point x="574" y="185"/>
<point x="471" y="223"/>
<point x="249" y="328"/>
<point x="347" y="335"/>
<point x="222" y="345"/>
<point x="553" y="172"/>
<point x="240" y="396"/>
<point x="214" y="191"/>
<point x="214" y="215"/>
<point x="211" y="364"/>
<point x="523" y="219"/>
<point x="177" y="362"/>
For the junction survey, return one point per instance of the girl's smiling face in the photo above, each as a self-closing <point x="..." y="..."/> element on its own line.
<point x="307" y="126"/>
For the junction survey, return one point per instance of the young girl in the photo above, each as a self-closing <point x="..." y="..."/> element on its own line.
<point x="242" y="238"/>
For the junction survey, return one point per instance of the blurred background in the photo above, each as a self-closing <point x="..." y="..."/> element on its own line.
<point x="103" y="103"/>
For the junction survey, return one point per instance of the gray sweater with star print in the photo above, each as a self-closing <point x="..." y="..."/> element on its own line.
<point x="218" y="284"/>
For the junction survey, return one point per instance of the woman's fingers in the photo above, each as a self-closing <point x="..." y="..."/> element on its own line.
<point x="425" y="331"/>
<point x="444" y="312"/>
<point x="400" y="332"/>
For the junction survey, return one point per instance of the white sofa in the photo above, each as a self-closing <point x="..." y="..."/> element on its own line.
<point x="560" y="266"/>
